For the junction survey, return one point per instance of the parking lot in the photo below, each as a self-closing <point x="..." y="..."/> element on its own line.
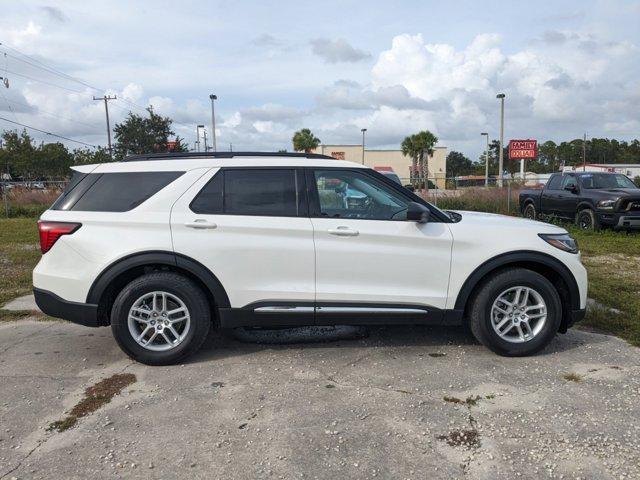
<point x="403" y="402"/>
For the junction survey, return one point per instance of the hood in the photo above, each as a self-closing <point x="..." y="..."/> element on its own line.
<point x="494" y="220"/>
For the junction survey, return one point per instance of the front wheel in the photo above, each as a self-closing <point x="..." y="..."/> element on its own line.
<point x="160" y="318"/>
<point x="530" y="212"/>
<point x="515" y="312"/>
<point x="586" y="220"/>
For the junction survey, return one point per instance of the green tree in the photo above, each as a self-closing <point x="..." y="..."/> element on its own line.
<point x="19" y="154"/>
<point x="419" y="147"/>
<point x="138" y="134"/>
<point x="305" y="141"/>
<point x="53" y="160"/>
<point x="458" y="164"/>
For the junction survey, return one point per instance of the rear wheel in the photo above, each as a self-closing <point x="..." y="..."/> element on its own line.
<point x="530" y="212"/>
<point x="586" y="220"/>
<point x="516" y="312"/>
<point x="160" y="318"/>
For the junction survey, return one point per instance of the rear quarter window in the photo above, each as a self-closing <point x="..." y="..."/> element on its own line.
<point x="113" y="192"/>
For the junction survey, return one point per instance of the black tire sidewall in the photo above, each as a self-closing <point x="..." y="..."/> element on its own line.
<point x="528" y="207"/>
<point x="592" y="218"/>
<point x="481" y="312"/>
<point x="183" y="288"/>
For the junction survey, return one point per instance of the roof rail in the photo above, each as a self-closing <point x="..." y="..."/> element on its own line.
<point x="188" y="155"/>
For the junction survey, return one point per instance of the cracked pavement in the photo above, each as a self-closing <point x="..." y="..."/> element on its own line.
<point x="369" y="407"/>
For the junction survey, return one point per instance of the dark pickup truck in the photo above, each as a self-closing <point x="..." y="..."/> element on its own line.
<point x="593" y="200"/>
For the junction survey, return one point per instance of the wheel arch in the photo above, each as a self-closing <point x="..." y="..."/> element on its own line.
<point x="546" y="265"/>
<point x="583" y="205"/>
<point x="114" y="277"/>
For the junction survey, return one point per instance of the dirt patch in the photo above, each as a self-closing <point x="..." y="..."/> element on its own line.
<point x="469" y="401"/>
<point x="95" y="397"/>
<point x="437" y="354"/>
<point x="572" y="377"/>
<point x="469" y="438"/>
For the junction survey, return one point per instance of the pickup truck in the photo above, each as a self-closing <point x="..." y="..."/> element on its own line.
<point x="591" y="199"/>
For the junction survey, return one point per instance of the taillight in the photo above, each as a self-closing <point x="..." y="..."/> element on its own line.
<point x="50" y="232"/>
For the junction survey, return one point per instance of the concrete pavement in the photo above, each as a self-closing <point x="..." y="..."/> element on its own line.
<point x="371" y="407"/>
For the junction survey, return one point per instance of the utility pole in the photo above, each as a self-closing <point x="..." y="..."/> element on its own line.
<point x="584" y="152"/>
<point x="106" y="99"/>
<point x="213" y="97"/>
<point x="204" y="132"/>
<point x="231" y="147"/>
<point x="363" y="132"/>
<point x="486" y="161"/>
<point x="501" y="153"/>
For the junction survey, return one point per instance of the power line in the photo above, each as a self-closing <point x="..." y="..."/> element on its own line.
<point x="54" y="115"/>
<point x="45" y="82"/>
<point x="46" y="67"/>
<point x="49" y="133"/>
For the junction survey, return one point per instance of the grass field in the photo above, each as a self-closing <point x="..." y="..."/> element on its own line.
<point x="612" y="259"/>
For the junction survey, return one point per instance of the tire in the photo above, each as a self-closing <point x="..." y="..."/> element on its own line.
<point x="530" y="211"/>
<point x="190" y="322"/>
<point x="586" y="220"/>
<point x="481" y="313"/>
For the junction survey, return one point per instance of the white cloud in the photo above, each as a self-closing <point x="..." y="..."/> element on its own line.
<point x="334" y="51"/>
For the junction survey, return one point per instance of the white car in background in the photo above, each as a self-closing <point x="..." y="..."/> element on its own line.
<point x="165" y="247"/>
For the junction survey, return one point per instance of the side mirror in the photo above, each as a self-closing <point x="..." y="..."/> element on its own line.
<point x="417" y="212"/>
<point x="571" y="188"/>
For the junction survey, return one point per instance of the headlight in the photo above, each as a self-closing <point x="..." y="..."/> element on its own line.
<point x="606" y="204"/>
<point x="563" y="241"/>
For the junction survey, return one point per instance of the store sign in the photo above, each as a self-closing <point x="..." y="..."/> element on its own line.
<point x="523" y="149"/>
<point x="338" y="155"/>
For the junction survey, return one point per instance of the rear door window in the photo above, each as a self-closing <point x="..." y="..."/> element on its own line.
<point x="263" y="192"/>
<point x="114" y="192"/>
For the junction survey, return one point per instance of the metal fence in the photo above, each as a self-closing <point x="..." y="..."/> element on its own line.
<point x="29" y="197"/>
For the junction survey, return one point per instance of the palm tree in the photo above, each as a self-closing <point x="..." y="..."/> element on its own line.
<point x="305" y="141"/>
<point x="419" y="147"/>
<point x="409" y="150"/>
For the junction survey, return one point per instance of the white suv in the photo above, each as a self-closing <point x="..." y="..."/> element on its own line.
<point x="164" y="247"/>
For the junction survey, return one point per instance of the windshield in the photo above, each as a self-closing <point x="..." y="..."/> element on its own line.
<point x="605" y="181"/>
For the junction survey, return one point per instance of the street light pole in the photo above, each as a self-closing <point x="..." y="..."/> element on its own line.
<point x="486" y="161"/>
<point x="198" y="127"/>
<point x="501" y="153"/>
<point x="363" y="132"/>
<point x="213" y="121"/>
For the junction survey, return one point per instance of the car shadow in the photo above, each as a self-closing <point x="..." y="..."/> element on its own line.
<point x="224" y="344"/>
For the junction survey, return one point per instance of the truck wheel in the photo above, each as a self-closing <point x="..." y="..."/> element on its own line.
<point x="586" y="220"/>
<point x="160" y="318"/>
<point x="515" y="312"/>
<point x="530" y="212"/>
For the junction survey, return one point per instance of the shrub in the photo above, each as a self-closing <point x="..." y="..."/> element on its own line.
<point x="25" y="202"/>
<point x="492" y="200"/>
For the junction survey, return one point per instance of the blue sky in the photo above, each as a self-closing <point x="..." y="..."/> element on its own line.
<point x="335" y="67"/>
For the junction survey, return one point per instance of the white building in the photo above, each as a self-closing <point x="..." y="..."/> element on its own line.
<point x="631" y="170"/>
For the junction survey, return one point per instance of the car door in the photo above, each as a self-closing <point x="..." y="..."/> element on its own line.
<point x="550" y="195"/>
<point x="370" y="261"/>
<point x="250" y="228"/>
<point x="567" y="203"/>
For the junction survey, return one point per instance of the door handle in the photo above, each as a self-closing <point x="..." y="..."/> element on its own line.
<point x="201" y="224"/>
<point x="343" y="232"/>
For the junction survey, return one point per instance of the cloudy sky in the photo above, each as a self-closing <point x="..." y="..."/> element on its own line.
<point x="566" y="67"/>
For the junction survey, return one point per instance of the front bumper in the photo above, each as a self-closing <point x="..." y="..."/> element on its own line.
<point x="51" y="304"/>
<point x="620" y="220"/>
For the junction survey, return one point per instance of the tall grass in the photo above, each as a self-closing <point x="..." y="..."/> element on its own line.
<point x="25" y="202"/>
<point x="479" y="199"/>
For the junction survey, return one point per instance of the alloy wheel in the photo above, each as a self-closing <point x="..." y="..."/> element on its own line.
<point x="158" y="321"/>
<point x="518" y="314"/>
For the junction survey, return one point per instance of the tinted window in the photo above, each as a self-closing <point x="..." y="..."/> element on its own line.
<point x="249" y="192"/>
<point x="209" y="200"/>
<point x="260" y="192"/>
<point x="605" y="180"/>
<point x="349" y="194"/>
<point x="73" y="183"/>
<point x="115" y="192"/>
<point x="569" y="180"/>
<point x="554" y="182"/>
